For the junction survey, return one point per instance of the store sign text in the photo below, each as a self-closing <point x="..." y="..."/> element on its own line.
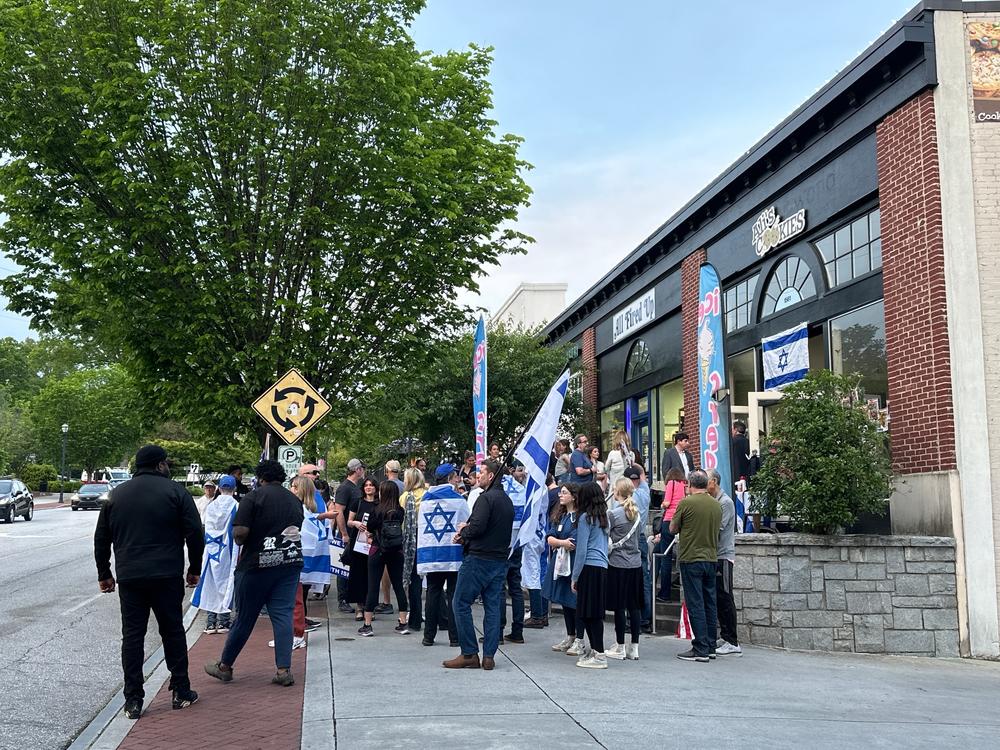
<point x="771" y="231"/>
<point x="638" y="313"/>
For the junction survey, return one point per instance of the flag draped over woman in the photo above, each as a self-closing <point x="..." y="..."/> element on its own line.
<point x="215" y="588"/>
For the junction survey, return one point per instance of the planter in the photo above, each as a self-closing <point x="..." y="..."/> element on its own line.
<point x="859" y="593"/>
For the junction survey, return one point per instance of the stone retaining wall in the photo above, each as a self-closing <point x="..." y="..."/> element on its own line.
<point x="871" y="594"/>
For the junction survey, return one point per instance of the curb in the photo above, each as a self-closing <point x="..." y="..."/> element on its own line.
<point x="318" y="729"/>
<point x="107" y="730"/>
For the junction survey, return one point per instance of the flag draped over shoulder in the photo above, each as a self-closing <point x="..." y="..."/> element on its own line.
<point x="442" y="509"/>
<point x="518" y="494"/>
<point x="315" y="550"/>
<point x="215" y="587"/>
<point x="533" y="452"/>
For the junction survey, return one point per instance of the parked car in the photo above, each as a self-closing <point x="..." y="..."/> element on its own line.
<point x="15" y="500"/>
<point x="91" y="495"/>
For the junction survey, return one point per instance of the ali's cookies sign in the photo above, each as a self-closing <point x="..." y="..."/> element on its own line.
<point x="984" y="57"/>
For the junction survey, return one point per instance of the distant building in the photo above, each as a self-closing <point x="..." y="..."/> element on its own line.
<point x="531" y="305"/>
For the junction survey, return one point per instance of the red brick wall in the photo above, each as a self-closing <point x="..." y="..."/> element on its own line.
<point x="916" y="320"/>
<point x="690" y="272"/>
<point x="588" y="361"/>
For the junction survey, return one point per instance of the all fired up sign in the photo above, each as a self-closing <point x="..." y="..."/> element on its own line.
<point x="635" y="315"/>
<point x="771" y="231"/>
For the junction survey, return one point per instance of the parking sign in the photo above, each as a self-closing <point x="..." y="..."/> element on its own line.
<point x="290" y="457"/>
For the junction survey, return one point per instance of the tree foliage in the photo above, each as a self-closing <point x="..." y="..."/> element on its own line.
<point x="221" y="190"/>
<point x="828" y="463"/>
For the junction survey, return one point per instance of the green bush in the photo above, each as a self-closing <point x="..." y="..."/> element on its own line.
<point x="34" y="474"/>
<point x="196" y="491"/>
<point x="826" y="462"/>
<point x="70" y="486"/>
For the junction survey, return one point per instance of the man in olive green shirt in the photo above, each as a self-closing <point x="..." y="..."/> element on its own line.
<point x="697" y="520"/>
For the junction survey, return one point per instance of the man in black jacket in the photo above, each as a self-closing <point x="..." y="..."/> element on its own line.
<point x="148" y="520"/>
<point x="678" y="457"/>
<point x="486" y="538"/>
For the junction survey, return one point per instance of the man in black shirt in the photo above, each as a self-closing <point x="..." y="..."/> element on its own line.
<point x="345" y="500"/>
<point x="267" y="525"/>
<point x="147" y="520"/>
<point x="236" y="472"/>
<point x="486" y="537"/>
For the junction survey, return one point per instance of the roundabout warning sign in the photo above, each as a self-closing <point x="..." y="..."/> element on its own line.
<point x="291" y="406"/>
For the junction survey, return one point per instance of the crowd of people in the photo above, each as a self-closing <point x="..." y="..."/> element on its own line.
<point x="455" y="535"/>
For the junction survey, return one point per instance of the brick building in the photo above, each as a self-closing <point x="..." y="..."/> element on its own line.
<point x="888" y="181"/>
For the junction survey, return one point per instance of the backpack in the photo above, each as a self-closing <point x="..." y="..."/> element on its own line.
<point x="391" y="536"/>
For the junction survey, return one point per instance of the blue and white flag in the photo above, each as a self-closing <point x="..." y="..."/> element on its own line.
<point x="533" y="452"/>
<point x="442" y="509"/>
<point x="215" y="587"/>
<point x="315" y="550"/>
<point x="479" y="388"/>
<point x="518" y="494"/>
<point x="785" y="356"/>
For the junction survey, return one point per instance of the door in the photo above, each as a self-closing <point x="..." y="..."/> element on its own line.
<point x="641" y="432"/>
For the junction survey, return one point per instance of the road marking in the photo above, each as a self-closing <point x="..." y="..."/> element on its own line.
<point x="83" y="603"/>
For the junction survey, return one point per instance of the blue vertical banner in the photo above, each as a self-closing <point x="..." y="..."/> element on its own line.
<point x="714" y="435"/>
<point x="479" y="389"/>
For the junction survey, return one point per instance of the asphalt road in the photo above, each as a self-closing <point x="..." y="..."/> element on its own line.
<point x="60" y="638"/>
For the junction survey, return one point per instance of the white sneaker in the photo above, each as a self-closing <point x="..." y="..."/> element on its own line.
<point x="728" y="648"/>
<point x="595" y="660"/>
<point x="616" y="652"/>
<point x="577" y="649"/>
<point x="564" y="644"/>
<point x="296" y="643"/>
<point x="632" y="651"/>
<point x="210" y="631"/>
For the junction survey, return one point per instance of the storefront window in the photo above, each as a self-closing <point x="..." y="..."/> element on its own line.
<point x="612" y="420"/>
<point x="857" y="345"/>
<point x="853" y="250"/>
<point x="638" y="361"/>
<point x="738" y="301"/>
<point x="671" y="415"/>
<point x="790" y="283"/>
<point x="742" y="376"/>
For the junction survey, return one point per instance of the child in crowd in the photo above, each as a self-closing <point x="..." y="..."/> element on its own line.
<point x="624" y="593"/>
<point x="590" y="570"/>
<point x="214" y="593"/>
<point x="556" y="586"/>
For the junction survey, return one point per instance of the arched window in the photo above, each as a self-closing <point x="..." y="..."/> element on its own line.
<point x="638" y="362"/>
<point x="790" y="283"/>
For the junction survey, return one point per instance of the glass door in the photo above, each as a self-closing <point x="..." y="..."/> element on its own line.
<point x="641" y="432"/>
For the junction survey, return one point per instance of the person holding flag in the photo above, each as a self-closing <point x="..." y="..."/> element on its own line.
<point x="214" y="593"/>
<point x="514" y="486"/>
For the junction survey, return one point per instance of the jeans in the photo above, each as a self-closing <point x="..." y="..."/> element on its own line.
<point x="647" y="582"/>
<point x="479" y="577"/>
<point x="726" y="605"/>
<point x="665" y="565"/>
<point x="513" y="580"/>
<point x="416" y="597"/>
<point x="274" y="587"/>
<point x="538" y="603"/>
<point x="165" y="597"/>
<point x="219" y="620"/>
<point x="439" y="604"/>
<point x="391" y="560"/>
<point x="698" y="580"/>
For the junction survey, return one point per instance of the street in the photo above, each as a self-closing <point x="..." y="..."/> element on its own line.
<point x="59" y="637"/>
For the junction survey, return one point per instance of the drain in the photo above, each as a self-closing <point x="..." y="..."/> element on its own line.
<point x="343" y="638"/>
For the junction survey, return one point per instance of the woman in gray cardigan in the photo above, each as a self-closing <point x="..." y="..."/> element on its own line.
<point x="624" y="590"/>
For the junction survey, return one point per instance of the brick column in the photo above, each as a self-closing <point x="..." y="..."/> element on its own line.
<point x="588" y="361"/>
<point x="690" y="272"/>
<point x="913" y="279"/>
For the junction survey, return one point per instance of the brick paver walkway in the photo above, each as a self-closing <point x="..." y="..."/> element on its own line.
<point x="248" y="713"/>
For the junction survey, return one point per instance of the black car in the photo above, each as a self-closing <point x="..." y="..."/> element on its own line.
<point x="92" y="495"/>
<point x="15" y="500"/>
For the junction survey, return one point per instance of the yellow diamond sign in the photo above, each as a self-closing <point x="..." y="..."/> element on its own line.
<point x="291" y="406"/>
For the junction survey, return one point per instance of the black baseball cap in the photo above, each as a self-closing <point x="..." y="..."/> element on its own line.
<point x="632" y="473"/>
<point x="150" y="455"/>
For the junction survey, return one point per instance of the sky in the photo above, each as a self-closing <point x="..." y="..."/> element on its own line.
<point x="629" y="109"/>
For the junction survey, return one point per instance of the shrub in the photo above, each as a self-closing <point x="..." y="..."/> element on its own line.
<point x="34" y="475"/>
<point x="827" y="462"/>
<point x="70" y="485"/>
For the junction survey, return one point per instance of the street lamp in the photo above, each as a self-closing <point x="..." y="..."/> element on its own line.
<point x="62" y="467"/>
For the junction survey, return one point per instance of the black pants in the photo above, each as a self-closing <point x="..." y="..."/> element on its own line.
<point x="165" y="597"/>
<point x="724" y="601"/>
<point x="439" y="605"/>
<point x="574" y="625"/>
<point x="595" y="632"/>
<point x="513" y="582"/>
<point x="416" y="596"/>
<point x="634" y="621"/>
<point x="379" y="561"/>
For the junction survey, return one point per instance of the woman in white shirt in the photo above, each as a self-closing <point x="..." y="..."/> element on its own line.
<point x="620" y="458"/>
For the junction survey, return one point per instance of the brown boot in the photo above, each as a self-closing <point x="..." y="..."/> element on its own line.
<point x="462" y="661"/>
<point x="488" y="663"/>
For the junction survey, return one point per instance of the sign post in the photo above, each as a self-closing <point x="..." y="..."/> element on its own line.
<point x="290" y="458"/>
<point x="292" y="406"/>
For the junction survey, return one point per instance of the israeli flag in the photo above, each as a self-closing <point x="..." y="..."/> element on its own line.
<point x="785" y="356"/>
<point x="533" y="452"/>
<point x="315" y="550"/>
<point x="441" y="511"/>
<point x="216" y="586"/>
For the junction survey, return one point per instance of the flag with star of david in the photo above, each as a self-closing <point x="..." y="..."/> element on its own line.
<point x="442" y="509"/>
<point x="215" y="587"/>
<point x="785" y="357"/>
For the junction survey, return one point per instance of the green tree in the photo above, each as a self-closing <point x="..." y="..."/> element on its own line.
<point x="827" y="461"/>
<point x="432" y="402"/>
<point x="100" y="407"/>
<point x="220" y="190"/>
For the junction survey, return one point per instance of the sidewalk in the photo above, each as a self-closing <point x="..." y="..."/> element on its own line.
<point x="391" y="692"/>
